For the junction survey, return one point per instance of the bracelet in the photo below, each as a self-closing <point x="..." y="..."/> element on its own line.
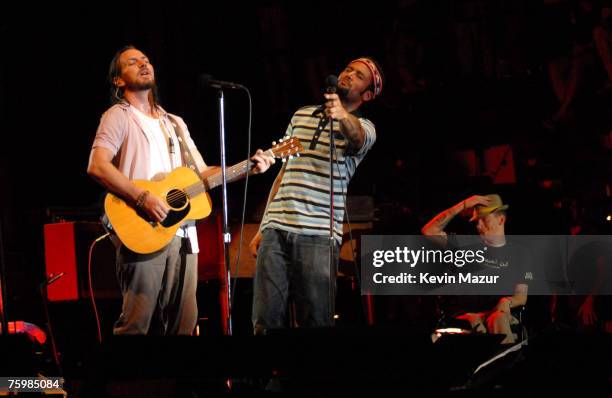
<point x="141" y="198"/>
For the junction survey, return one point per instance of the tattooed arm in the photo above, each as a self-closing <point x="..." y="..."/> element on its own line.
<point x="350" y="126"/>
<point x="351" y="129"/>
<point x="436" y="226"/>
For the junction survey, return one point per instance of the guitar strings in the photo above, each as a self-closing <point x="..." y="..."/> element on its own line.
<point x="180" y="194"/>
<point x="199" y="187"/>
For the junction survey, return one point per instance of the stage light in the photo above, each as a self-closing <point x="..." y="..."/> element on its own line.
<point x="452" y="331"/>
<point x="447" y="331"/>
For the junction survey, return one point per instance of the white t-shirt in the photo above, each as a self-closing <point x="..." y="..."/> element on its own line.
<point x="162" y="162"/>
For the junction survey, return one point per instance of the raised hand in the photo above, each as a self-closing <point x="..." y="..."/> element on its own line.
<point x="476" y="200"/>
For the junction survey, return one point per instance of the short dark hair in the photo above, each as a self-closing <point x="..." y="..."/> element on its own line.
<point x="501" y="213"/>
<point x="114" y="71"/>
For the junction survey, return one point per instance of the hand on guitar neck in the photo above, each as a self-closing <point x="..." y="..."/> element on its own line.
<point x="262" y="161"/>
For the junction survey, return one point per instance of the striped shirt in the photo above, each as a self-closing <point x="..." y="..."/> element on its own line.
<point x="301" y="204"/>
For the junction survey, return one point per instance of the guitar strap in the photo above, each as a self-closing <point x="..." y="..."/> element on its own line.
<point x="186" y="154"/>
<point x="188" y="160"/>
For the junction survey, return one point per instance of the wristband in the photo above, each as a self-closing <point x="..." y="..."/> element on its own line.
<point x="141" y="198"/>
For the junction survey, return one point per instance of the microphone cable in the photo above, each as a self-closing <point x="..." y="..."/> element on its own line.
<point x="91" y="291"/>
<point x="244" y="201"/>
<point x="348" y="221"/>
<point x="44" y="296"/>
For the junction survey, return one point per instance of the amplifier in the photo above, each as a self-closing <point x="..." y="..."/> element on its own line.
<point x="67" y="250"/>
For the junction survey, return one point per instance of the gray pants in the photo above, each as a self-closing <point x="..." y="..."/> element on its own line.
<point x="159" y="290"/>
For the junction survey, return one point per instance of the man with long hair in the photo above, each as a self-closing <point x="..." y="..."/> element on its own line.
<point x="138" y="140"/>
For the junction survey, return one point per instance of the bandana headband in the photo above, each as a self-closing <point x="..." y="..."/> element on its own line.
<point x="376" y="77"/>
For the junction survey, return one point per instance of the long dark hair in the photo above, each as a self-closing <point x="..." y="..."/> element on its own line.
<point x="114" y="71"/>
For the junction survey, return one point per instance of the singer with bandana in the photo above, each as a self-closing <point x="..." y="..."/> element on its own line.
<point x="292" y="244"/>
<point x="138" y="140"/>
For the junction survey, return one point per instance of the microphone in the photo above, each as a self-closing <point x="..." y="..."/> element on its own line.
<point x="331" y="82"/>
<point x="207" y="81"/>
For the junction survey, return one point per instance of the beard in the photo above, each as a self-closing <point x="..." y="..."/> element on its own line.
<point x="141" y="86"/>
<point x="342" y="92"/>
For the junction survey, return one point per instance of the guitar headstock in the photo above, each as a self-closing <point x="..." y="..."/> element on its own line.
<point x="286" y="148"/>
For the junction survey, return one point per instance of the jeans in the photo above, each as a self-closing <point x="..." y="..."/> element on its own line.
<point x="159" y="290"/>
<point x="293" y="267"/>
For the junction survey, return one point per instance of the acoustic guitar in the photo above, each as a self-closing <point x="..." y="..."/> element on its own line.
<point x="186" y="193"/>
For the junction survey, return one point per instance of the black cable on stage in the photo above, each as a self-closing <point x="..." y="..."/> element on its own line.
<point x="244" y="201"/>
<point x="91" y="291"/>
<point x="348" y="221"/>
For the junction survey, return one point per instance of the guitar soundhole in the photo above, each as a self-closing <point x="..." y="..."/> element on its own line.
<point x="176" y="199"/>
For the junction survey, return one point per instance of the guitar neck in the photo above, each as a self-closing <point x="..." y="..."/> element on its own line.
<point x="232" y="174"/>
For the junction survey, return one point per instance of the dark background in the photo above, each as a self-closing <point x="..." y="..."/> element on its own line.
<point x="461" y="75"/>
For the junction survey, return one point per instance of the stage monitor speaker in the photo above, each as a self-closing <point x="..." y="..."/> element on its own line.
<point x="67" y="250"/>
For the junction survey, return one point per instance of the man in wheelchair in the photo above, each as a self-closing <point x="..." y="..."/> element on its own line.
<point x="488" y="309"/>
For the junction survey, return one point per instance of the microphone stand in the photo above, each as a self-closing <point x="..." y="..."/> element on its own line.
<point x="227" y="237"/>
<point x="332" y="246"/>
